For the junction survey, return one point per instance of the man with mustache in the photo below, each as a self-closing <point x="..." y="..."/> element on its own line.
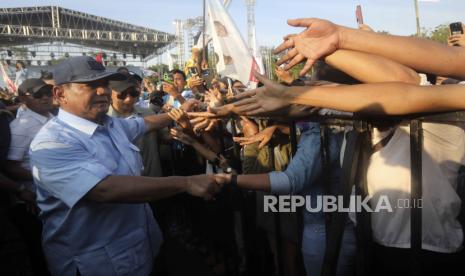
<point x="89" y="188"/>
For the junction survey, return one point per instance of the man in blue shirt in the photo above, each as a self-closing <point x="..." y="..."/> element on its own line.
<point x="176" y="95"/>
<point x="89" y="188"/>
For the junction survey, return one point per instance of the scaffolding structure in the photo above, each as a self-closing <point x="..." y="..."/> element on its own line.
<point x="22" y="28"/>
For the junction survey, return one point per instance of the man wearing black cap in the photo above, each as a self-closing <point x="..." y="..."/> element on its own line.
<point x="124" y="95"/>
<point x="89" y="188"/>
<point x="36" y="96"/>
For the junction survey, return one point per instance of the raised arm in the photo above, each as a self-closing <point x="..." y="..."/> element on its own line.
<point x="376" y="99"/>
<point x="369" y="68"/>
<point x="423" y="55"/>
<point x="157" y="121"/>
<point x="322" y="38"/>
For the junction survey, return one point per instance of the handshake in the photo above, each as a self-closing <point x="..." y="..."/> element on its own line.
<point x="206" y="186"/>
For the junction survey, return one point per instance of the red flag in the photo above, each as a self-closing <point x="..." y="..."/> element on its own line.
<point x="255" y="67"/>
<point x="99" y="58"/>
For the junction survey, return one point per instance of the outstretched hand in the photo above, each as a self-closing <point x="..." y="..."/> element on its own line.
<point x="178" y="134"/>
<point x="268" y="98"/>
<point x="249" y="128"/>
<point x="319" y="39"/>
<point x="214" y="112"/>
<point x="180" y="117"/>
<point x="263" y="137"/>
<point x="203" y="123"/>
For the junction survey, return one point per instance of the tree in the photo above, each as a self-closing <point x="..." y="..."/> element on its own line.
<point x="160" y="68"/>
<point x="440" y="33"/>
<point x="383" y="32"/>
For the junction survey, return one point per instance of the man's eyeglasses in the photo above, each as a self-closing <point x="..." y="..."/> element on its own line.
<point x="41" y="93"/>
<point x="124" y="94"/>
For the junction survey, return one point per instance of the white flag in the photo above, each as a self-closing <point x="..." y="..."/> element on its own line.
<point x="234" y="58"/>
<point x="170" y="60"/>
<point x="256" y="53"/>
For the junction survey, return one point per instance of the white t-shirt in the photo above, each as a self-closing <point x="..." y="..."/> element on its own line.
<point x="389" y="174"/>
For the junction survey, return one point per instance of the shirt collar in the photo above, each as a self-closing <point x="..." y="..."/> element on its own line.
<point x="42" y="119"/>
<point x="79" y="123"/>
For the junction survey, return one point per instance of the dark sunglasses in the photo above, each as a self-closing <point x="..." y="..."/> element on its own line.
<point x="124" y="94"/>
<point x="41" y="93"/>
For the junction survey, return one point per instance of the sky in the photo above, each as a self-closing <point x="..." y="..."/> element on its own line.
<point x="394" y="16"/>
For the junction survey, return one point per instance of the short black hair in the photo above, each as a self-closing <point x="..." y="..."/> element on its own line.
<point x="22" y="63"/>
<point x="237" y="81"/>
<point x="177" y="71"/>
<point x="122" y="69"/>
<point x="46" y="75"/>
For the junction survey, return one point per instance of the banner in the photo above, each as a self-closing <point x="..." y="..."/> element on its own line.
<point x="232" y="53"/>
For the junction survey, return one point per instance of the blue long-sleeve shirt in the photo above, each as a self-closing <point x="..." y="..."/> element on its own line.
<point x="304" y="176"/>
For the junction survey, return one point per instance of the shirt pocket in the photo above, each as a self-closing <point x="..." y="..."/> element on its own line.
<point x="129" y="253"/>
<point x="139" y="167"/>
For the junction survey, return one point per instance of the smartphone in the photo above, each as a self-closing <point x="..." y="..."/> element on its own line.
<point x="456" y="28"/>
<point x="359" y="15"/>
<point x="193" y="71"/>
<point x="168" y="78"/>
<point x="207" y="76"/>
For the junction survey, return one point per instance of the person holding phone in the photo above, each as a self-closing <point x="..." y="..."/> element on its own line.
<point x="176" y="93"/>
<point x="457" y="38"/>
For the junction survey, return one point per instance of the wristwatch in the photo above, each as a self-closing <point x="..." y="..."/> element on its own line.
<point x="234" y="181"/>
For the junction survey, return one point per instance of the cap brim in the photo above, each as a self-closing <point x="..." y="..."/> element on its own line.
<point x="136" y="76"/>
<point x="121" y="88"/>
<point x="36" y="89"/>
<point x="104" y="75"/>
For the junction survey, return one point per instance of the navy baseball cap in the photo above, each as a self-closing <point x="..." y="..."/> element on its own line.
<point x="32" y="86"/>
<point x="121" y="85"/>
<point x="82" y="69"/>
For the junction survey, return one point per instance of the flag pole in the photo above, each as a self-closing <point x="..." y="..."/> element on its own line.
<point x="204" y="56"/>
<point x="417" y="14"/>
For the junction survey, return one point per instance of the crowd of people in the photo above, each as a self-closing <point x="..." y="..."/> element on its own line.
<point x="110" y="173"/>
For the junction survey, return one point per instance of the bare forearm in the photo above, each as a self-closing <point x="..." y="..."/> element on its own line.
<point x="157" y="121"/>
<point x="136" y="189"/>
<point x="204" y="151"/>
<point x="259" y="182"/>
<point x="292" y="112"/>
<point x="369" y="68"/>
<point x="385" y="98"/>
<point x="211" y="141"/>
<point x="420" y="54"/>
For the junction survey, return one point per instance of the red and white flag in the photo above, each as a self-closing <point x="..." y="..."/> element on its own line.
<point x="10" y="85"/>
<point x="234" y="58"/>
